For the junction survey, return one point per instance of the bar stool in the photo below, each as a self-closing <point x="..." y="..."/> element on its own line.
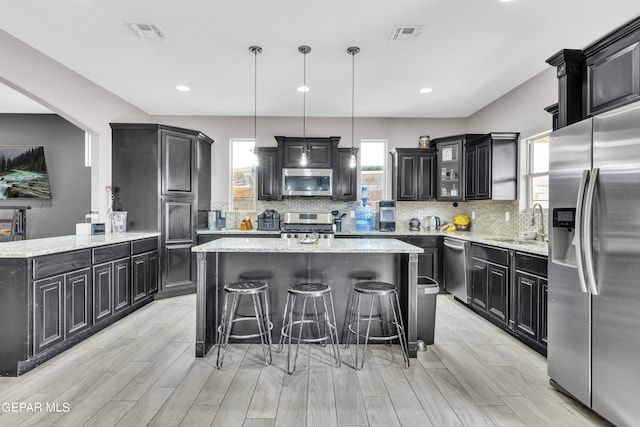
<point x="326" y="330"/>
<point x="258" y="291"/>
<point x="376" y="290"/>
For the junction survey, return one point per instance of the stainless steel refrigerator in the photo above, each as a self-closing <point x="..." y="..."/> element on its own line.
<point x="594" y="263"/>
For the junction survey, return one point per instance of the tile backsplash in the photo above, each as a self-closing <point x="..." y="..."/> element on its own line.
<point x="489" y="214"/>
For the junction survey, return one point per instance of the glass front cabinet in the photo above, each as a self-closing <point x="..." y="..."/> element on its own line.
<point x="450" y="179"/>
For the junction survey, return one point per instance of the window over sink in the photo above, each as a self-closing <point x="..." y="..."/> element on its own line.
<point x="536" y="171"/>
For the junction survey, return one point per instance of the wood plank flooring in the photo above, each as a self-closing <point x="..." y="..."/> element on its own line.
<point x="142" y="371"/>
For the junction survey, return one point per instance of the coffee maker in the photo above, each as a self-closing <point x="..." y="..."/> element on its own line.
<point x="387" y="215"/>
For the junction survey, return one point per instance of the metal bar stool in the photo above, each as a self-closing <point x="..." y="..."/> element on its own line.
<point x="326" y="329"/>
<point x="259" y="294"/>
<point x="376" y="290"/>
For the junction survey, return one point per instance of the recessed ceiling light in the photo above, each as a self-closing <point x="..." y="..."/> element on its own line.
<point x="303" y="89"/>
<point x="426" y="90"/>
<point x="182" y="88"/>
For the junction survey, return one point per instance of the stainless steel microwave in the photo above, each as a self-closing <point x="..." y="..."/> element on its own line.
<point x="307" y="182"/>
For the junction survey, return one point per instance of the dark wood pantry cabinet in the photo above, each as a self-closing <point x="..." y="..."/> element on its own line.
<point x="161" y="176"/>
<point x="412" y="174"/>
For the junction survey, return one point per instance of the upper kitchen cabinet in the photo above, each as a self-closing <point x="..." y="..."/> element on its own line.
<point x="344" y="177"/>
<point x="490" y="167"/>
<point x="600" y="77"/>
<point x="269" y="174"/>
<point x="161" y="175"/>
<point x="412" y="171"/>
<point x="449" y="172"/>
<point x="320" y="151"/>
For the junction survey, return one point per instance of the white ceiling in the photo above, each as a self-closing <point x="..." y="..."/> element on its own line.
<point x="471" y="51"/>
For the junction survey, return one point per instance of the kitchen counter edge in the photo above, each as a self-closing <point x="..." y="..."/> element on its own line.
<point x="53" y="245"/>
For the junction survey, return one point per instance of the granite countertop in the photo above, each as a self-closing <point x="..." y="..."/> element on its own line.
<point x="52" y="245"/>
<point x="529" y="246"/>
<point x="241" y="244"/>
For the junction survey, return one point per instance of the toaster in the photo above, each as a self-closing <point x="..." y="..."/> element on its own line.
<point x="269" y="220"/>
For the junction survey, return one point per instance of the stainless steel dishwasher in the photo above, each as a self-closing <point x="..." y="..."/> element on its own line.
<point x="456" y="272"/>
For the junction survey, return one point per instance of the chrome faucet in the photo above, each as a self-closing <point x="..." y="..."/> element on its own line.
<point x="541" y="234"/>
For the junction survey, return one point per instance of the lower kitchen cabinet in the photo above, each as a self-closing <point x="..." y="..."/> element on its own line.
<point x="144" y="276"/>
<point x="48" y="312"/>
<point x="102" y="292"/>
<point x="77" y="299"/>
<point x="490" y="281"/>
<point x="121" y="285"/>
<point x="529" y="314"/>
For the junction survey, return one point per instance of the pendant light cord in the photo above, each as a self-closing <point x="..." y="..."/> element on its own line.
<point x="255" y="50"/>
<point x="353" y="91"/>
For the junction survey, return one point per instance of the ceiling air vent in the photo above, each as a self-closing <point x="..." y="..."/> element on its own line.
<point x="147" y="30"/>
<point x="406" y="32"/>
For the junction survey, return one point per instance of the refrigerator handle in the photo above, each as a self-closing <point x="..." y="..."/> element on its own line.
<point x="588" y="233"/>
<point x="579" y="236"/>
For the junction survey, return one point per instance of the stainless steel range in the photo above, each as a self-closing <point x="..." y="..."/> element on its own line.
<point x="297" y="225"/>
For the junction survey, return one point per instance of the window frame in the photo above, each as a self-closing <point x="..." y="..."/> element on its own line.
<point x="385" y="165"/>
<point x="527" y="164"/>
<point x="231" y="172"/>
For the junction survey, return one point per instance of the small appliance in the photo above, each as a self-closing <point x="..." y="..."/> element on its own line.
<point x="307" y="182"/>
<point x="387" y="215"/>
<point x="302" y="225"/>
<point x="414" y="224"/>
<point x="269" y="220"/>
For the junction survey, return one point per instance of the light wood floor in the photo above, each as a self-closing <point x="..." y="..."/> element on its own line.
<point x="142" y="371"/>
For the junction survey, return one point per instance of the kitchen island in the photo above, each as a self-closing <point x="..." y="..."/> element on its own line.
<point x="340" y="263"/>
<point x="57" y="291"/>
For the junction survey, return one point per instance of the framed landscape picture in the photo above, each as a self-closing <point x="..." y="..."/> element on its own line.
<point x="23" y="173"/>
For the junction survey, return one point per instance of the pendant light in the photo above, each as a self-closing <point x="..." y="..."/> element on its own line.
<point x="255" y="50"/>
<point x="304" y="156"/>
<point x="353" y="51"/>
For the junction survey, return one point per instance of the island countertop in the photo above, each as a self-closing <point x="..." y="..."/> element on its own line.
<point x="53" y="245"/>
<point x="249" y="244"/>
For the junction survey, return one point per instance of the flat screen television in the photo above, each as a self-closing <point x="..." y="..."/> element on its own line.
<point x="23" y="173"/>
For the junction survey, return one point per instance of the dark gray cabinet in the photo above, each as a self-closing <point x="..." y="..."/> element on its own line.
<point x="102" y="292"/>
<point x="450" y="167"/>
<point x="78" y="293"/>
<point x="319" y="151"/>
<point x="430" y="261"/>
<point x="269" y="174"/>
<point x="51" y="302"/>
<point x="529" y="315"/>
<point x="48" y="312"/>
<point x="345" y="178"/>
<point x="490" y="271"/>
<point x="177" y="163"/>
<point x="162" y="177"/>
<point x="491" y="167"/>
<point x="121" y="285"/>
<point x="412" y="174"/>
<point x="144" y="275"/>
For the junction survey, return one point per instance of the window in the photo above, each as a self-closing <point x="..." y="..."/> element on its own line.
<point x="537" y="172"/>
<point x="243" y="175"/>
<point x="373" y="156"/>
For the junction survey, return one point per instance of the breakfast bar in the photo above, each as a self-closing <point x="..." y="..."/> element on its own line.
<point x="340" y="263"/>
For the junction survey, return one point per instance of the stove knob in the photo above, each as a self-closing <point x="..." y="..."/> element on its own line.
<point x="295" y="236"/>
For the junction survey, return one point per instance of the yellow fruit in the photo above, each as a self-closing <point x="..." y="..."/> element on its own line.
<point x="451" y="228"/>
<point x="461" y="220"/>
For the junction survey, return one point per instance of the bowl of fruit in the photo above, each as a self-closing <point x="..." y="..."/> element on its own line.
<point x="462" y="223"/>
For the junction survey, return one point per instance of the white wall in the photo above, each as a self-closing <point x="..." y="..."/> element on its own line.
<point x="521" y="109"/>
<point x="76" y="99"/>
